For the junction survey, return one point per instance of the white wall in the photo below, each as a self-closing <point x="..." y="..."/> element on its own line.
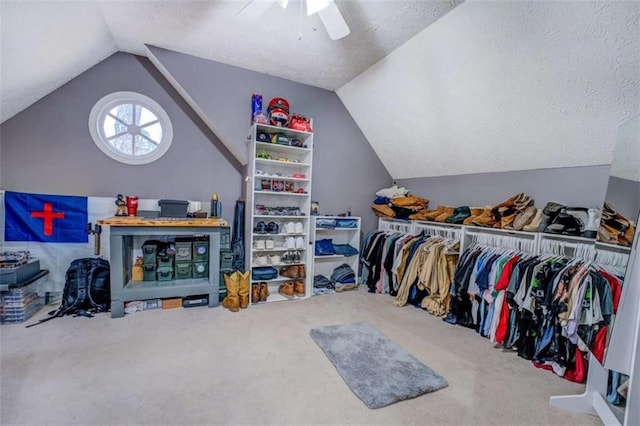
<point x="500" y="86"/>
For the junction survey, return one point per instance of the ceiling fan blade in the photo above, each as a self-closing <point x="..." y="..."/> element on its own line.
<point x="333" y="21"/>
<point x="255" y="9"/>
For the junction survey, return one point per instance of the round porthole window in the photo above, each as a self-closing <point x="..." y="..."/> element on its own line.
<point x="130" y="127"/>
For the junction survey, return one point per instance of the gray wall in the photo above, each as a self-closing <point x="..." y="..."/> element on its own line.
<point x="47" y="148"/>
<point x="574" y="186"/>
<point x="624" y="195"/>
<point x="346" y="170"/>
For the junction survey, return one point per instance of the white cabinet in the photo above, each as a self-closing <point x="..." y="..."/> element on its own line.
<point x="326" y="264"/>
<point x="279" y="201"/>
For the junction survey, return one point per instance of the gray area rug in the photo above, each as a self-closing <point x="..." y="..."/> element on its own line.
<point x="378" y="370"/>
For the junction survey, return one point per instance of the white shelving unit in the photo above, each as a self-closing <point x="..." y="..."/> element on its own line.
<point x="324" y="265"/>
<point x="272" y="192"/>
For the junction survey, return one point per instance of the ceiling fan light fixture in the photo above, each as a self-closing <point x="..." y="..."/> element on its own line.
<point x="315" y="6"/>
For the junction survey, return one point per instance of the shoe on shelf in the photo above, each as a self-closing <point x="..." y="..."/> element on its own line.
<point x="506" y="222"/>
<point x="299" y="242"/>
<point x="524" y="217"/>
<point x="290" y="243"/>
<point x="274" y="260"/>
<point x="260" y="260"/>
<point x="534" y="224"/>
<point x="289" y="228"/>
<point x="260" y="228"/>
<point x="269" y="244"/>
<point x="298" y="228"/>
<point x="290" y="271"/>
<point x="607" y="234"/>
<point x="299" y="288"/>
<point x="286" y="289"/>
<point x="273" y="228"/>
<point x="447" y="212"/>
<point x="593" y="223"/>
<point x="626" y="239"/>
<point x="259" y="245"/>
<point x="264" y="291"/>
<point x="486" y="219"/>
<point x="459" y="215"/>
<point x="475" y="212"/>
<point x="255" y="292"/>
<point x="566" y="224"/>
<point x="432" y="214"/>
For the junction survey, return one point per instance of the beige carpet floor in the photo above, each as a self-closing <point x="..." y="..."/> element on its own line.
<point x="258" y="366"/>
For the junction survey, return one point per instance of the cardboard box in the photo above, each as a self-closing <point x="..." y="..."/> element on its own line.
<point x="171" y="303"/>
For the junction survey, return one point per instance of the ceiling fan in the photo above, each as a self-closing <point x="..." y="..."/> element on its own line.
<point x="329" y="13"/>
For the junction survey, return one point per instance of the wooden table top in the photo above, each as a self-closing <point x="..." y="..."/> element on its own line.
<point x="213" y="222"/>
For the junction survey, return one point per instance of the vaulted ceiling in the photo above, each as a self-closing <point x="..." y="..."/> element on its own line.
<point x="47" y="43"/>
<point x="437" y="87"/>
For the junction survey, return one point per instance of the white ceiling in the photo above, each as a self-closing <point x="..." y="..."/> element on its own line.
<point x="500" y="86"/>
<point x="47" y="43"/>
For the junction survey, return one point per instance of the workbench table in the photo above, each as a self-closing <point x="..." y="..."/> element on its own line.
<point x="124" y="229"/>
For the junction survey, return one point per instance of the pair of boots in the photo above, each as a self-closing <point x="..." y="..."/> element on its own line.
<point x="293" y="271"/>
<point x="237" y="285"/>
<point x="259" y="292"/>
<point x="289" y="289"/>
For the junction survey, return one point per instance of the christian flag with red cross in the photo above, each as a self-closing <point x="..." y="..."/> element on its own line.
<point x="45" y="218"/>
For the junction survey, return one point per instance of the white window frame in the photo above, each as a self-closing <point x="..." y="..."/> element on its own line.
<point x="106" y="104"/>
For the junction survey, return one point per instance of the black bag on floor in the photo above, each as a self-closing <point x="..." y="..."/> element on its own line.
<point x="87" y="289"/>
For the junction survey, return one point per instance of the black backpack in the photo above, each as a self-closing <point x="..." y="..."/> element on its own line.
<point x="86" y="290"/>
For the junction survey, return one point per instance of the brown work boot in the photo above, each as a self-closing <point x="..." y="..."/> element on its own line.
<point x="448" y="211"/>
<point x="299" y="288"/>
<point x="290" y="271"/>
<point x="286" y="289"/>
<point x="434" y="213"/>
<point x="243" y="289"/>
<point x="232" y="300"/>
<point x="475" y="212"/>
<point x="485" y="219"/>
<point x="301" y="271"/>
<point x="255" y="292"/>
<point x="264" y="291"/>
